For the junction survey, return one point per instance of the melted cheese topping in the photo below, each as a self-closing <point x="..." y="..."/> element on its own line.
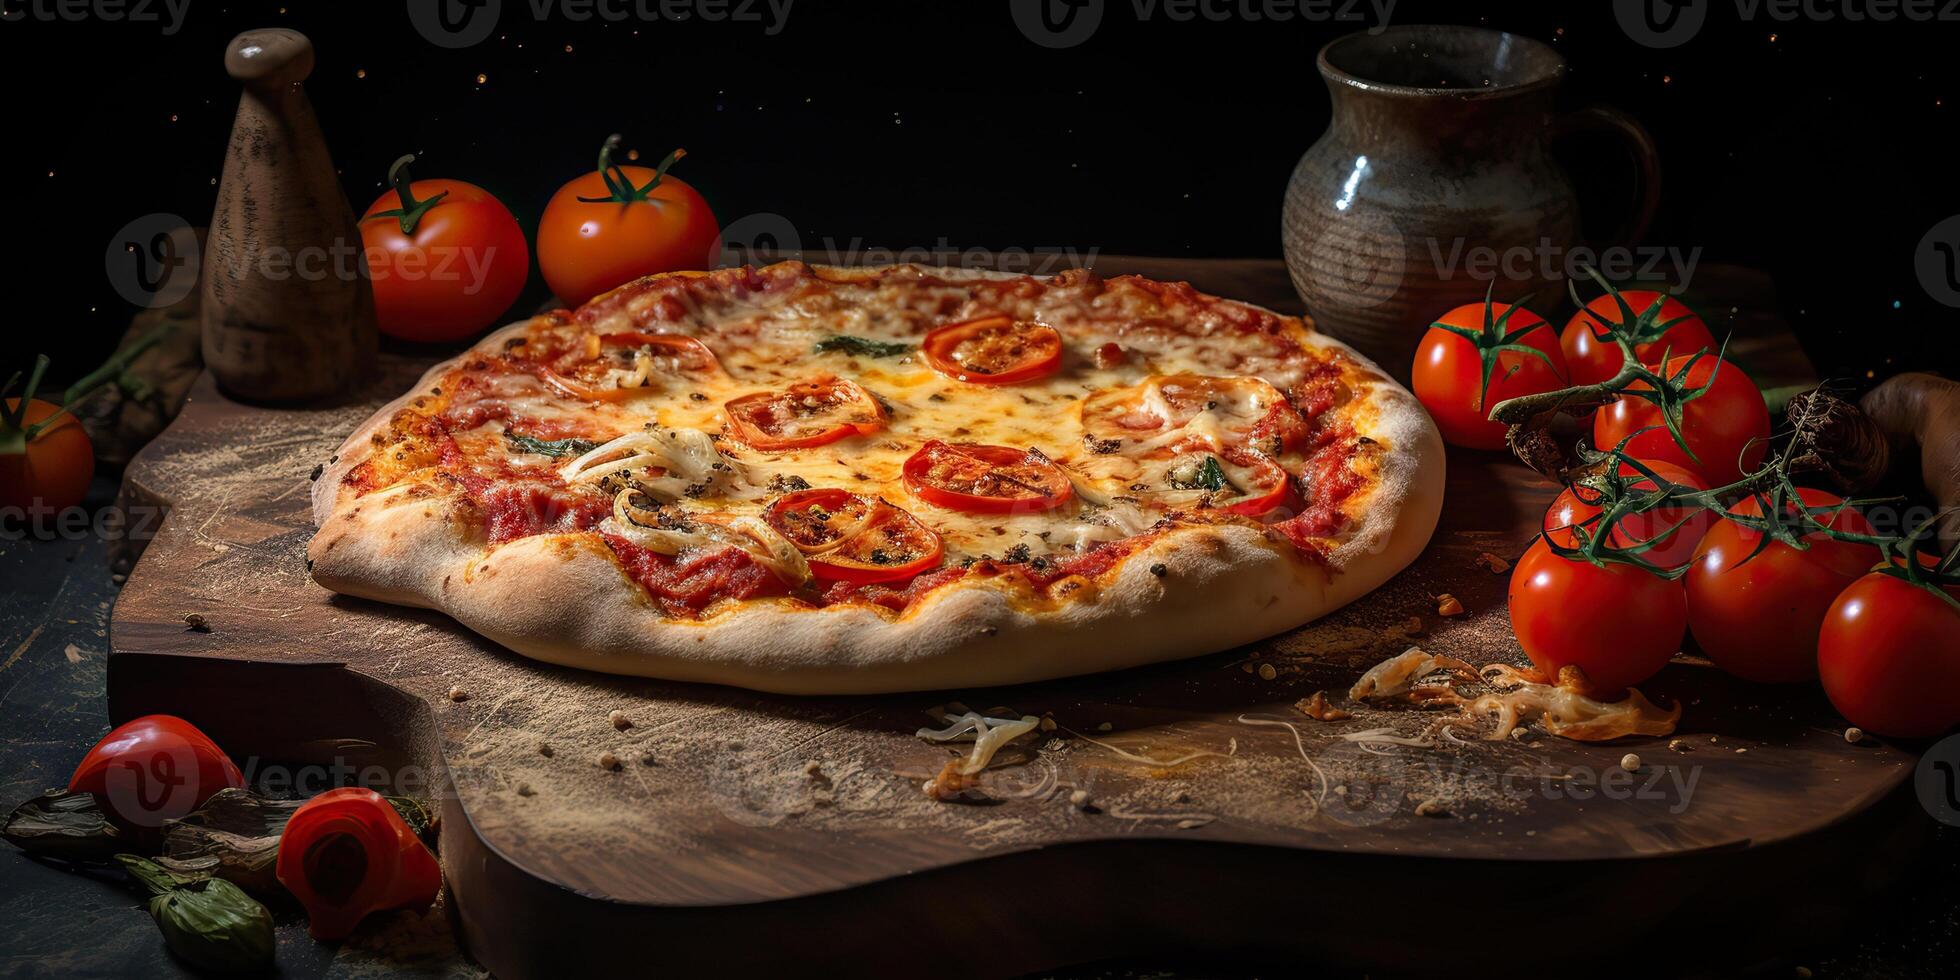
<point x="665" y="422"/>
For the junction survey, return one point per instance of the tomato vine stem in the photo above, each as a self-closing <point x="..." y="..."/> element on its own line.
<point x="411" y="212"/>
<point x="15" y="433"/>
<point x="619" y="187"/>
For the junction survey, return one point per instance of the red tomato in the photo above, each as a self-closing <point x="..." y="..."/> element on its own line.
<point x="808" y="413"/>
<point x="1679" y="529"/>
<point x="1889" y="656"/>
<point x="994" y="350"/>
<point x="347" y="853"/>
<point x="1448" y="377"/>
<point x="1617" y="623"/>
<point x="152" y="769"/>
<point x="1262" y="482"/>
<point x="1593" y="359"/>
<point x="851" y="538"/>
<point x="619" y="223"/>
<point x="53" y="470"/>
<point x="1726" y="426"/>
<point x="986" y="479"/>
<point x="447" y="258"/>
<point x="1758" y="619"/>
<point x="817" y="520"/>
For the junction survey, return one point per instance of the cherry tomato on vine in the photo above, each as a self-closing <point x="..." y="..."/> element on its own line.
<point x="986" y="479"/>
<point x="447" y="258"/>
<point x="152" y="769"/>
<point x="1888" y="653"/>
<point x="1679" y="528"/>
<point x="618" y="223"/>
<point x="1672" y="329"/>
<point x="1478" y="355"/>
<point x="1726" y="426"/>
<point x="1758" y="619"/>
<point x="1617" y="623"/>
<point x="50" y="470"/>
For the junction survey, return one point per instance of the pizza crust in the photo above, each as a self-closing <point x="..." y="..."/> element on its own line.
<point x="563" y="599"/>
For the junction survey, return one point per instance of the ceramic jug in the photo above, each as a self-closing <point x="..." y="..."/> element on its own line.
<point x="1436" y="176"/>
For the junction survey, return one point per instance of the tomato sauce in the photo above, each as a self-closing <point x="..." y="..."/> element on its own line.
<point x="1331" y="480"/>
<point x="897" y="598"/>
<point x="684" y="585"/>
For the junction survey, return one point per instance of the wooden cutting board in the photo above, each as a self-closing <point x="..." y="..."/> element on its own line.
<point x="745" y="832"/>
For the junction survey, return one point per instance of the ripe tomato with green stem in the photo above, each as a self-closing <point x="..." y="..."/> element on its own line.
<point x="1654" y="322"/>
<point x="1705" y="415"/>
<point x="618" y="223"/>
<point x="1755" y="606"/>
<point x="1675" y="530"/>
<point x="1618" y="623"/>
<point x="1480" y="354"/>
<point x="46" y="460"/>
<point x="447" y="258"/>
<point x="1888" y="651"/>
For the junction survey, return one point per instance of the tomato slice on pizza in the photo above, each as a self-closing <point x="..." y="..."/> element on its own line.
<point x="1233" y="480"/>
<point x="852" y="538"/>
<point x="813" y="412"/>
<point x="986" y="479"/>
<point x="994" y="350"/>
<point x="616" y="366"/>
<point x="1184" y="412"/>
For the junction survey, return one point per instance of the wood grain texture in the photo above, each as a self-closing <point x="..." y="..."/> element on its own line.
<point x="738" y="814"/>
<point x="288" y="307"/>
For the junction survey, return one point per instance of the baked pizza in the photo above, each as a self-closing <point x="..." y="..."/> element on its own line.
<point x="809" y="479"/>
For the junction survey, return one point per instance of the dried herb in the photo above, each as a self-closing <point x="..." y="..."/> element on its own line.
<point x="548" y="447"/>
<point x="860" y="346"/>
<point x="209" y="923"/>
<point x="65" y="826"/>
<point x="419" y="817"/>
<point x="237" y="829"/>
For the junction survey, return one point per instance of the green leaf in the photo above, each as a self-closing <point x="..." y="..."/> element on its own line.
<point x="860" y="346"/>
<point x="210" y="923"/>
<point x="1211" y="476"/>
<point x="548" y="447"/>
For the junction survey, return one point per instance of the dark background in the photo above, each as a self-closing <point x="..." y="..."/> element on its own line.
<point x="1818" y="151"/>
<point x="1822" y="156"/>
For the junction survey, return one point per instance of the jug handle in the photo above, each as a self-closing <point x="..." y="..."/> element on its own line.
<point x="1646" y="162"/>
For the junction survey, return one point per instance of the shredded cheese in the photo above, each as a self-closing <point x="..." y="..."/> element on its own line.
<point x="750" y="534"/>
<point x="665" y="463"/>
<point x="1122" y="753"/>
<point x="1398" y="675"/>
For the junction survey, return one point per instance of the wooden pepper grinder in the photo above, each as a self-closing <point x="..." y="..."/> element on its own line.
<point x="288" y="311"/>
